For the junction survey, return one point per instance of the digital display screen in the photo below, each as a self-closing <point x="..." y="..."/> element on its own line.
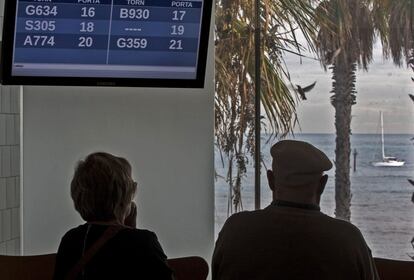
<point x="108" y="39"/>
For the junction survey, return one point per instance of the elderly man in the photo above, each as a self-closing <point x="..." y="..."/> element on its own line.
<point x="291" y="239"/>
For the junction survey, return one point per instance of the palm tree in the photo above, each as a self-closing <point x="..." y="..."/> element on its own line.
<point x="346" y="33"/>
<point x="399" y="15"/>
<point x="235" y="74"/>
<point x="399" y="38"/>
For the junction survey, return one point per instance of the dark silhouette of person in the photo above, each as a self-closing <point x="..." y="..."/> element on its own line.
<point x="291" y="239"/>
<point x="108" y="245"/>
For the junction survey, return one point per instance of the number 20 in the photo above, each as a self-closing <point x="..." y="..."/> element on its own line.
<point x="85" y="42"/>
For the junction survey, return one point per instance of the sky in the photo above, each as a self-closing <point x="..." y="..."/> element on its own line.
<point x="384" y="87"/>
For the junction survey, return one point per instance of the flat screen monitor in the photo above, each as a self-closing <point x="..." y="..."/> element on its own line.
<point x="148" y="43"/>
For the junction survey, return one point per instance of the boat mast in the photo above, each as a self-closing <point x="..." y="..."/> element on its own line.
<point x="382" y="135"/>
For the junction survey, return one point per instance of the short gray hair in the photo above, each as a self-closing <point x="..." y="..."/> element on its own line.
<point x="102" y="188"/>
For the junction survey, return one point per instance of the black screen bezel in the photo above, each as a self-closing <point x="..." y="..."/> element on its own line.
<point x="7" y="57"/>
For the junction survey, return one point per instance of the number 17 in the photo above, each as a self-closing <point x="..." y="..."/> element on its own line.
<point x="178" y="15"/>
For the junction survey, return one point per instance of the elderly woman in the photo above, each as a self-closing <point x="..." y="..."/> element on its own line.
<point x="108" y="246"/>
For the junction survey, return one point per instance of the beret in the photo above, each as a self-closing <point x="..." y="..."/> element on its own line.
<point x="297" y="163"/>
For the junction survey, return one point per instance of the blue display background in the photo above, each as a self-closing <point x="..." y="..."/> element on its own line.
<point x="103" y="12"/>
<point x="144" y="58"/>
<point x="154" y="3"/>
<point x="148" y="29"/>
<point x="89" y="33"/>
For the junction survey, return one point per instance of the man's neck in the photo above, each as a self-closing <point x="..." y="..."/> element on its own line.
<point x="310" y="200"/>
<point x="282" y="203"/>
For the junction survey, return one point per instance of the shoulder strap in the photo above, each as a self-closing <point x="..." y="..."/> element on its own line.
<point x="91" y="252"/>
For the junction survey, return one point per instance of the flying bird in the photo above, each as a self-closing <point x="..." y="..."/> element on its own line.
<point x="411" y="182"/>
<point x="302" y="91"/>
<point x="411" y="96"/>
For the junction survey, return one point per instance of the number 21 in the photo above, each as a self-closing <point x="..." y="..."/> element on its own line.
<point x="176" y="45"/>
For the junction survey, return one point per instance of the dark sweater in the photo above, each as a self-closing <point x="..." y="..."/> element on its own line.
<point x="290" y="243"/>
<point x="130" y="254"/>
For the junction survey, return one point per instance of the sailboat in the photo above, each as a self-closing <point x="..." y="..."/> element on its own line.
<point x="387" y="161"/>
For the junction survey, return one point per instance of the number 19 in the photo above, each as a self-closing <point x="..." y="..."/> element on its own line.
<point x="177" y="30"/>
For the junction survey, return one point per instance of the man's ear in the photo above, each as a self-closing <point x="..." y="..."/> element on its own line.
<point x="322" y="183"/>
<point x="271" y="180"/>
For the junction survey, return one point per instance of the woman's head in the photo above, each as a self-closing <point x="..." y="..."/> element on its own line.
<point x="102" y="188"/>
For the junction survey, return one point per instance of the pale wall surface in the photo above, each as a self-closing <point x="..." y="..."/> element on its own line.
<point x="167" y="135"/>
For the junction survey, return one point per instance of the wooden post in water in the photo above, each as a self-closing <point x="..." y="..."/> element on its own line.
<point x="355" y="159"/>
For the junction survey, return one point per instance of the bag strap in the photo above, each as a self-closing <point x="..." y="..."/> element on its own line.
<point x="109" y="233"/>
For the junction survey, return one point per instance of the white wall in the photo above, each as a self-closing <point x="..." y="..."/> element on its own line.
<point x="167" y="135"/>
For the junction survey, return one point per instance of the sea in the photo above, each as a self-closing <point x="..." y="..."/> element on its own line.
<point x="381" y="196"/>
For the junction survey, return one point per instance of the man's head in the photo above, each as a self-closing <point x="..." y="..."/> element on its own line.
<point x="297" y="173"/>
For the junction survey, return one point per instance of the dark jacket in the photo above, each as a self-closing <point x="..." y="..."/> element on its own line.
<point x="289" y="243"/>
<point x="130" y="254"/>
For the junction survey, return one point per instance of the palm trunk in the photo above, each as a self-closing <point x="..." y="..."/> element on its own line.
<point x="342" y="100"/>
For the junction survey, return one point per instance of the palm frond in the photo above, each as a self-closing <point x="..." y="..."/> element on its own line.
<point x="235" y="75"/>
